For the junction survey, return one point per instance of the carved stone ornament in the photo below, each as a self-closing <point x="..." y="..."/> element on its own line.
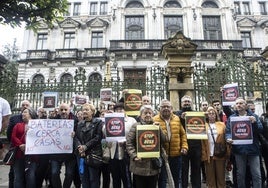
<point x="97" y="23"/>
<point x="69" y="23"/>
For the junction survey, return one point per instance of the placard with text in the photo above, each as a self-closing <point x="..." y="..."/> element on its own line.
<point x="195" y="125"/>
<point x="115" y="127"/>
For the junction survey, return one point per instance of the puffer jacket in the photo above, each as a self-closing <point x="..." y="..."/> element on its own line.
<point x="178" y="138"/>
<point x="145" y="166"/>
<point x="246" y="149"/>
<point x="220" y="126"/>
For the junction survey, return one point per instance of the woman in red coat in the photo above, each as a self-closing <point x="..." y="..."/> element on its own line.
<point x="24" y="174"/>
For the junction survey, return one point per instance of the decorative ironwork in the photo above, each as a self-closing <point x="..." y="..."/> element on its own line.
<point x="252" y="78"/>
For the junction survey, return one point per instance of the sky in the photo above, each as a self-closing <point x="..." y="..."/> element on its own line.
<point x="8" y="34"/>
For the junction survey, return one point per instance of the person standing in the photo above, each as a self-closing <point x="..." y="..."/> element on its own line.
<point x="194" y="153"/>
<point x="24" y="166"/>
<point x="17" y="118"/>
<point x="246" y="153"/>
<point x="119" y="163"/>
<point x="214" y="165"/>
<point x="56" y="160"/>
<point x="88" y="141"/>
<point x="144" y="172"/>
<point x="5" y="113"/>
<point x="176" y="146"/>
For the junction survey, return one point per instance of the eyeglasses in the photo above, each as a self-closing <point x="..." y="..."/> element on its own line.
<point x="168" y="107"/>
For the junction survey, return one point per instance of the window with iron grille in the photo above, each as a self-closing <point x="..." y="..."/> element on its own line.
<point x="172" y="4"/>
<point x="41" y="41"/>
<point x="209" y="4"/>
<point x="134" y="4"/>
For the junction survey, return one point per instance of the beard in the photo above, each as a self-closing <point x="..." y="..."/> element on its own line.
<point x="187" y="108"/>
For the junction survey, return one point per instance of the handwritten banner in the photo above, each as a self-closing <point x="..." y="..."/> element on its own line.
<point x="241" y="130"/>
<point x="46" y="136"/>
<point x="148" y="141"/>
<point x="115" y="127"/>
<point x="195" y="125"/>
<point x="230" y="94"/>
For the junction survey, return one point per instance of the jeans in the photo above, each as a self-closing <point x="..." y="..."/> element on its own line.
<point x="69" y="173"/>
<point x="19" y="167"/>
<point x="30" y="174"/>
<point x="254" y="164"/>
<point x="91" y="177"/>
<point x="120" y="171"/>
<point x="175" y="164"/>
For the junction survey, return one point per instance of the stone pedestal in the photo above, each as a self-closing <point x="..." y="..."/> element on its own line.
<point x="179" y="51"/>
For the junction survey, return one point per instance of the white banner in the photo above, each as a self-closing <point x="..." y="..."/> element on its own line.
<point x="47" y="136"/>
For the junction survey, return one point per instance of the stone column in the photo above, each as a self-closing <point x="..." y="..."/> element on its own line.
<point x="179" y="51"/>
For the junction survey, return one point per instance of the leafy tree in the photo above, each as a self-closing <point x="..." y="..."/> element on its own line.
<point x="14" y="12"/>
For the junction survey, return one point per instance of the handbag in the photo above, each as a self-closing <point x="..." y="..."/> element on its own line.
<point x="219" y="148"/>
<point x="94" y="161"/>
<point x="9" y="158"/>
<point x="157" y="163"/>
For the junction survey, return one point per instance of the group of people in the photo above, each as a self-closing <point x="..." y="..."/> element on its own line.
<point x="186" y="158"/>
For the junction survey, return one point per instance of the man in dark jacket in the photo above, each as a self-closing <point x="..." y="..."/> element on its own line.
<point x="194" y="151"/>
<point x="246" y="153"/>
<point x="68" y="159"/>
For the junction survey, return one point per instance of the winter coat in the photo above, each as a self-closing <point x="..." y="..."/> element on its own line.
<point x="178" y="138"/>
<point x="90" y="136"/>
<point x="220" y="127"/>
<point x="145" y="166"/>
<point x="246" y="149"/>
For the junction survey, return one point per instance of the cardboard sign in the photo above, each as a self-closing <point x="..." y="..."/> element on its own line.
<point x="230" y="94"/>
<point x="241" y="130"/>
<point x="80" y="99"/>
<point x="106" y="95"/>
<point x="195" y="125"/>
<point x="47" y="136"/>
<point x="148" y="141"/>
<point x="50" y="100"/>
<point x="115" y="127"/>
<point x="133" y="101"/>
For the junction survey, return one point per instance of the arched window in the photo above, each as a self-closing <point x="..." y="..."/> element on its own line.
<point x="94" y="85"/>
<point x="66" y="78"/>
<point x="38" y="79"/>
<point x="209" y="4"/>
<point x="134" y="4"/>
<point x="172" y="4"/>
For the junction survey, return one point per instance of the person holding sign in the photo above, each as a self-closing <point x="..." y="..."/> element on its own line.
<point x="176" y="146"/>
<point x="144" y="170"/>
<point x="67" y="158"/>
<point x="242" y="130"/>
<point x="88" y="143"/>
<point x="24" y="176"/>
<point x="214" y="165"/>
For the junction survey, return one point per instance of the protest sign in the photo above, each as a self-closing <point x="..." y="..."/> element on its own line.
<point x="80" y="99"/>
<point x="133" y="101"/>
<point x="230" y="94"/>
<point x="47" y="136"/>
<point x="195" y="125"/>
<point x="241" y="130"/>
<point x="115" y="127"/>
<point x="106" y="95"/>
<point x="50" y="100"/>
<point x="148" y="141"/>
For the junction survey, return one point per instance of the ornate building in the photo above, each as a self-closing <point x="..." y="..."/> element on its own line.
<point x="123" y="38"/>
